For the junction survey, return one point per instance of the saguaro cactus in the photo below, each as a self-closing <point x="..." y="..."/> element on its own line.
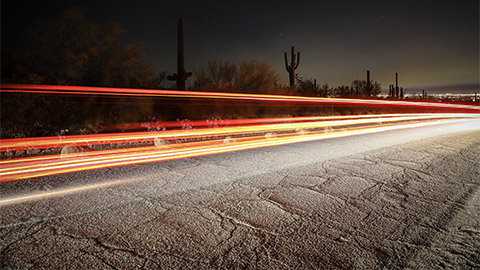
<point x="292" y="67"/>
<point x="369" y="84"/>
<point x="181" y="75"/>
<point x="397" y="94"/>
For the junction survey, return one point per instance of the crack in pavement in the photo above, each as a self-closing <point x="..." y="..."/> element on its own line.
<point x="368" y="210"/>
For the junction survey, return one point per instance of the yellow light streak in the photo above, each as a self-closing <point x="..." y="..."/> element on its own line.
<point x="180" y="134"/>
<point x="113" y="159"/>
<point x="8" y="167"/>
<point x="58" y="192"/>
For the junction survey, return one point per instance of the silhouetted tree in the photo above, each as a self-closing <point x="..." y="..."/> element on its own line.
<point x="362" y="89"/>
<point x="248" y="77"/>
<point x="343" y="91"/>
<point x="74" y="51"/>
<point x="309" y="87"/>
<point x="161" y="81"/>
<point x="306" y="87"/>
<point x="216" y="76"/>
<point x="324" y="90"/>
<point x="256" y="77"/>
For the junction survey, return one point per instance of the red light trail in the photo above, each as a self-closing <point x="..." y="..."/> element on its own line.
<point x="239" y="138"/>
<point x="206" y="137"/>
<point x="85" y="90"/>
<point x="268" y="125"/>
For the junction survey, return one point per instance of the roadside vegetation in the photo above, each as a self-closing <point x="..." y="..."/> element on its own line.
<point x="73" y="51"/>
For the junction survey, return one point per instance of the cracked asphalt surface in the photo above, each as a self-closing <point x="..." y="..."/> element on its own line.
<point x="398" y="203"/>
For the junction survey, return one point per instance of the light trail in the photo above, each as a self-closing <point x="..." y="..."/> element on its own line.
<point x="59" y="192"/>
<point x="84" y="90"/>
<point x="53" y="142"/>
<point x="234" y="122"/>
<point x="31" y="167"/>
<point x="207" y="137"/>
<point x="249" y="121"/>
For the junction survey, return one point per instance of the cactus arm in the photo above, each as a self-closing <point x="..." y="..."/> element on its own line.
<point x="293" y="57"/>
<point x="286" y="63"/>
<point x="174" y="77"/>
<point x="186" y="75"/>
<point x="298" y="60"/>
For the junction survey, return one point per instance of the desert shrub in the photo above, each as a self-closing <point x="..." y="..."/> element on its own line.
<point x="216" y="76"/>
<point x="247" y="77"/>
<point x="33" y="115"/>
<point x="256" y="77"/>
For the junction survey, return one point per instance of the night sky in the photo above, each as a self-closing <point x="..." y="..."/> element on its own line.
<point x="433" y="45"/>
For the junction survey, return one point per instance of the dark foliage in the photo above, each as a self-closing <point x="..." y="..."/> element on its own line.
<point x="73" y="51"/>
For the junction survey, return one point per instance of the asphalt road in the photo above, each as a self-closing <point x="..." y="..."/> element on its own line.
<point x="406" y="199"/>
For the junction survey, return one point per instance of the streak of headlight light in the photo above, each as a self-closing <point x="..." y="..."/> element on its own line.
<point x="43" y="142"/>
<point x="259" y="141"/>
<point x="59" y="192"/>
<point x="8" y="163"/>
<point x="35" y="163"/>
<point x="60" y="89"/>
<point x="247" y="121"/>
